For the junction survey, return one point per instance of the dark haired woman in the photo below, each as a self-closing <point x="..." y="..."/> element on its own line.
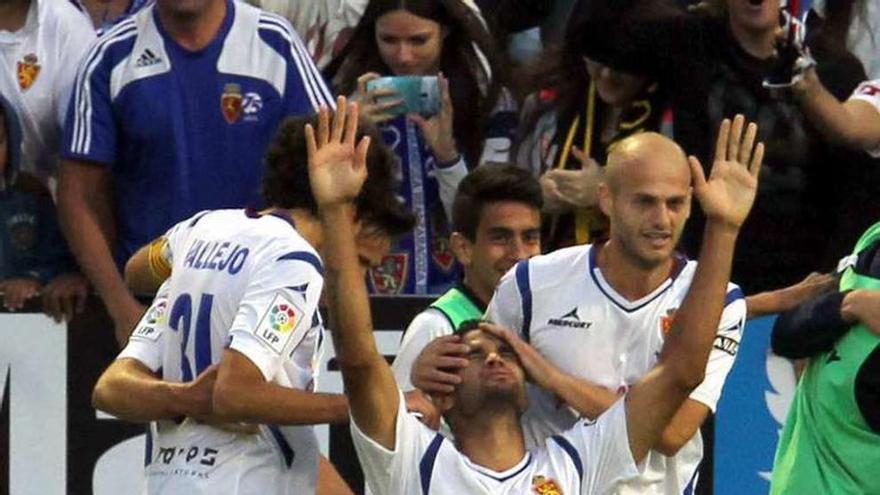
<point x="448" y="39"/>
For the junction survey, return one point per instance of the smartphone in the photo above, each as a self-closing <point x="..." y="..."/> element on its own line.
<point x="420" y="94"/>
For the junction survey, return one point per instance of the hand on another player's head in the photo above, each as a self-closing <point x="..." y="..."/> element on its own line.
<point x="435" y="369"/>
<point x="337" y="164"/>
<point x="727" y="196"/>
<point x="537" y="369"/>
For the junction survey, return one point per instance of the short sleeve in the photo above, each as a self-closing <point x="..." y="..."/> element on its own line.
<point x="869" y="92"/>
<point x="506" y="307"/>
<point x="425" y="327"/>
<point x="600" y="450"/>
<point x="90" y="132"/>
<point x="724" y="349"/>
<point x="397" y="470"/>
<point x="146" y="342"/>
<point x="279" y="307"/>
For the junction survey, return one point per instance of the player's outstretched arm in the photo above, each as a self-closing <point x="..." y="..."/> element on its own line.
<point x="726" y="199"/>
<point x="131" y="391"/>
<point x="337" y="171"/>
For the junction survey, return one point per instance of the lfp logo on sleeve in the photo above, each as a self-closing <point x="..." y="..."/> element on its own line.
<point x="276" y="327"/>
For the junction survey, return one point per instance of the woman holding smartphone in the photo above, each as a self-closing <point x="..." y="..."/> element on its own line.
<point x="446" y="40"/>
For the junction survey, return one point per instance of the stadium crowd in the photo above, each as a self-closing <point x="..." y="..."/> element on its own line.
<point x="599" y="193"/>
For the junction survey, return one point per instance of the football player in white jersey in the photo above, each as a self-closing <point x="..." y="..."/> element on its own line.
<point x="401" y="457"/>
<point x="601" y="313"/>
<point x="243" y="292"/>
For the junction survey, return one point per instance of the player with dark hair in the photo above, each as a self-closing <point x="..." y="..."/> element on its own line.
<point x="400" y="456"/>
<point x="496" y="219"/>
<point x="234" y="333"/>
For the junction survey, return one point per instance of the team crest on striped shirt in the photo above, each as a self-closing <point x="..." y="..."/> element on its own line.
<point x="545" y="486"/>
<point x="231" y="103"/>
<point x="28" y="70"/>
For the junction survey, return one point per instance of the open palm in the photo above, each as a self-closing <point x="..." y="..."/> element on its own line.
<point x="337" y="168"/>
<point x="729" y="193"/>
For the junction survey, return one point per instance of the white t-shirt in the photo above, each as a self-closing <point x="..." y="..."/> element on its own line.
<point x="869" y="92"/>
<point x="37" y="69"/>
<point x="587" y="459"/>
<point x="249" y="283"/>
<point x="563" y="306"/>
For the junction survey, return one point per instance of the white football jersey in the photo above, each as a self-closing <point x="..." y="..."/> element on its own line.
<point x="563" y="306"/>
<point x="249" y="283"/>
<point x="869" y="92"/>
<point x="587" y="459"/>
<point x="37" y="69"/>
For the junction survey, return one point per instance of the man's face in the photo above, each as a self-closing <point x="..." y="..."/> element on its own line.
<point x="754" y="15"/>
<point x="508" y="232"/>
<point x="408" y="44"/>
<point x="493" y="375"/>
<point x="649" y="209"/>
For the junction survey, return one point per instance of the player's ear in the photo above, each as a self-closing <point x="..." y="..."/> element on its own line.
<point x="605" y="199"/>
<point x="462" y="248"/>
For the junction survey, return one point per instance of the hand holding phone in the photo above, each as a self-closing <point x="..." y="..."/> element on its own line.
<point x="406" y="94"/>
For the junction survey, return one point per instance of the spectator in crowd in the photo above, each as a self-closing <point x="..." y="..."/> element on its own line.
<point x="41" y="43"/>
<point x="489" y="454"/>
<point x="266" y="370"/>
<point x="34" y="256"/>
<point x="587" y="100"/>
<point x="602" y="312"/>
<point x="474" y="124"/>
<point x="714" y="63"/>
<point x="497" y="220"/>
<point x="325" y="26"/>
<point x="196" y="92"/>
<point x="829" y="442"/>
<point x="107" y="13"/>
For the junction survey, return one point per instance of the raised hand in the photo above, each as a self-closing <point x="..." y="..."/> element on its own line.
<point x="337" y="168"/>
<point x="728" y="195"/>
<point x="437" y="130"/>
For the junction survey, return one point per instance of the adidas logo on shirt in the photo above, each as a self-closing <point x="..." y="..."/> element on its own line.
<point x="570" y="320"/>
<point x="147" y="59"/>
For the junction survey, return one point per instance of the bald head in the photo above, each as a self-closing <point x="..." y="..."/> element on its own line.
<point x="644" y="150"/>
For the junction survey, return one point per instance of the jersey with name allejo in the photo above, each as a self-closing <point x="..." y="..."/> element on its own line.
<point x="565" y="308"/>
<point x="184" y="131"/>
<point x="249" y="283"/>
